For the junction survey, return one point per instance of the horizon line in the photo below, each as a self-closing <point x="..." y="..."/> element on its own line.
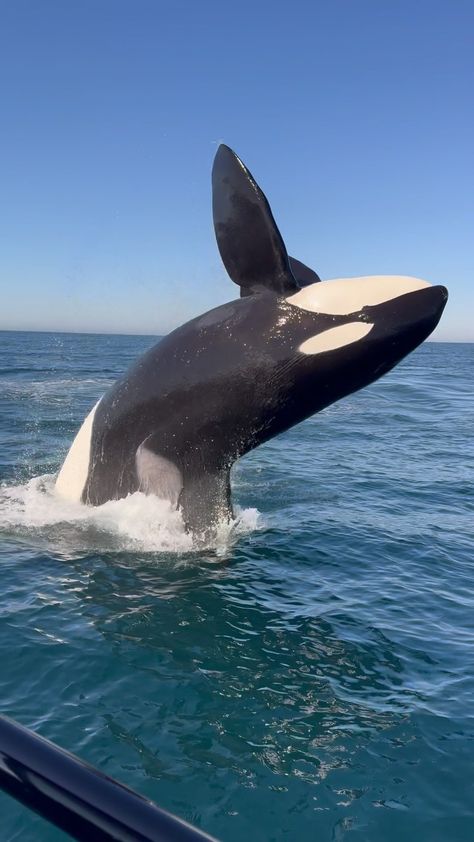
<point x="162" y="335"/>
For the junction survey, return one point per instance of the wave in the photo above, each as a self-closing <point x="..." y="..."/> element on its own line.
<point x="138" y="523"/>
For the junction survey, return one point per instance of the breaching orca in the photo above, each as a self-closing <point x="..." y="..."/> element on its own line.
<point x="238" y="375"/>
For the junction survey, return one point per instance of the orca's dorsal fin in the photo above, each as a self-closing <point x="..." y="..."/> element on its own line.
<point x="250" y="244"/>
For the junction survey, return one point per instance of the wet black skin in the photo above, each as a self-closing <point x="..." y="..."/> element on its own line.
<point x="230" y="380"/>
<point x="233" y="378"/>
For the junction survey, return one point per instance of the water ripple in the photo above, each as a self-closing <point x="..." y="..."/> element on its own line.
<point x="314" y="677"/>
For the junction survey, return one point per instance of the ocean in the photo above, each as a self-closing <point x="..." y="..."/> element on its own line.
<point x="311" y="677"/>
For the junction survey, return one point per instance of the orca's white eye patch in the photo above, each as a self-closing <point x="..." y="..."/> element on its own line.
<point x="335" y="337"/>
<point x="350" y="295"/>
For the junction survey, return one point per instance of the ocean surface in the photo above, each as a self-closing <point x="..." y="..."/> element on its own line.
<point x="309" y="678"/>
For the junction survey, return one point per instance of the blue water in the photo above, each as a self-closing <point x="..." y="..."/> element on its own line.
<point x="310" y="677"/>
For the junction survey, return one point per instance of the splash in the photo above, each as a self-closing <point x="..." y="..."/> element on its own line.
<point x="138" y="523"/>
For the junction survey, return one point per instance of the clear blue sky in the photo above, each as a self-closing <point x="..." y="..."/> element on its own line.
<point x="356" y="117"/>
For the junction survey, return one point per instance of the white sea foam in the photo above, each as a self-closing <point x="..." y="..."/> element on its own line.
<point x="139" y="523"/>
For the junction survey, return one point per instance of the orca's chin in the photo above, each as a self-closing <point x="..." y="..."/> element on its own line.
<point x="345" y="296"/>
<point x="391" y="311"/>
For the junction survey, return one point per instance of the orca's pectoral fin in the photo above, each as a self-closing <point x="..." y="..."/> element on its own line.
<point x="205" y="502"/>
<point x="303" y="274"/>
<point x="250" y="244"/>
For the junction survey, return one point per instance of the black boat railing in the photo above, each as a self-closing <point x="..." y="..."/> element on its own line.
<point x="78" y="798"/>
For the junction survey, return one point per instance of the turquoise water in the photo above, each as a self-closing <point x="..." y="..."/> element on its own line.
<point x="312" y="676"/>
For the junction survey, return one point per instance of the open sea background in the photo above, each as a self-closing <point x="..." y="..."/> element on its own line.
<point x="312" y="676"/>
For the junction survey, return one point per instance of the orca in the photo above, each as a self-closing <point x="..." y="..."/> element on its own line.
<point x="240" y="374"/>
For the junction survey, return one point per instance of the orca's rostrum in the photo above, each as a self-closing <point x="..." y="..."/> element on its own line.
<point x="238" y="375"/>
